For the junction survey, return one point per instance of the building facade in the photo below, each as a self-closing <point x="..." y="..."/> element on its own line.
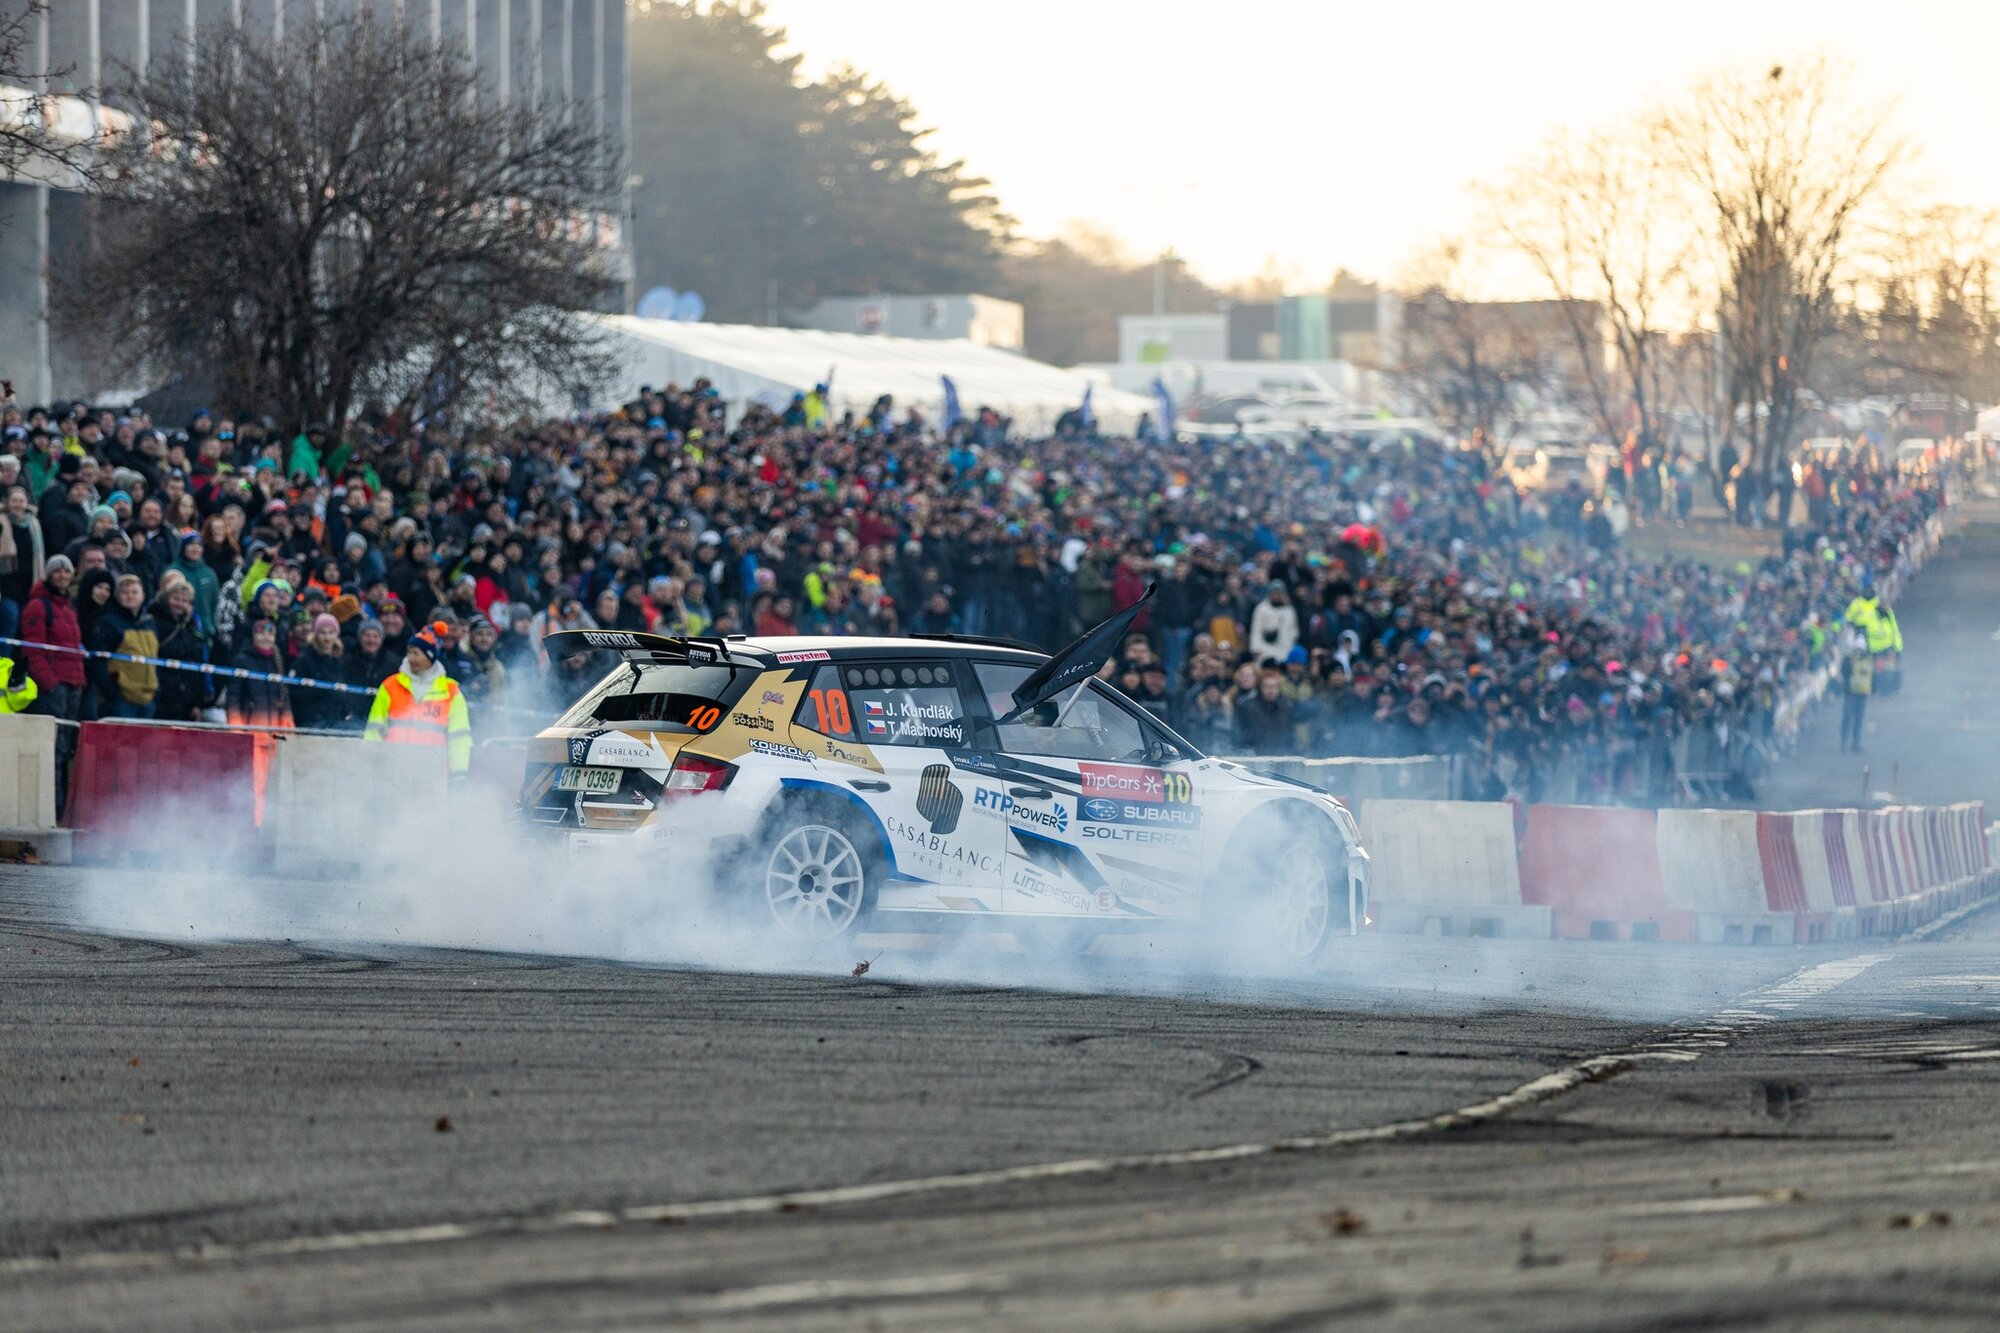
<point x="985" y="320"/>
<point x="573" y="51"/>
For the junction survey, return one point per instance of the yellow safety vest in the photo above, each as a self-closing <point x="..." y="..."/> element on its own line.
<point x="16" y="698"/>
<point x="438" y="718"/>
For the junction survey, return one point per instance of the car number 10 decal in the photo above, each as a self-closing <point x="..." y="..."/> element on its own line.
<point x="830" y="708"/>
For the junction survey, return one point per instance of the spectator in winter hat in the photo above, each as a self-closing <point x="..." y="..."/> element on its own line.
<point x="323" y="659"/>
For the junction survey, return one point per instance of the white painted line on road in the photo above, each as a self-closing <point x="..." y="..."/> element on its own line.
<point x="1682" y="1047"/>
<point x="813" y="1292"/>
<point x="1528" y="1094"/>
<point x="1727" y="1203"/>
<point x="1767" y="1006"/>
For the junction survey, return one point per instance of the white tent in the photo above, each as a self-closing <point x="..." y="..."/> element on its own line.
<point x="748" y="364"/>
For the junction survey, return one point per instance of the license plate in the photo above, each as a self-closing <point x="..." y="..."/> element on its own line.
<point x="600" y="781"/>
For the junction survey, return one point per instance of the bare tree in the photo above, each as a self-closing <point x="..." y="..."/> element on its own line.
<point x="29" y="146"/>
<point x="342" y="216"/>
<point x="1787" y="160"/>
<point x="1604" y="223"/>
<point x="1918" y="316"/>
<point x="1474" y="365"/>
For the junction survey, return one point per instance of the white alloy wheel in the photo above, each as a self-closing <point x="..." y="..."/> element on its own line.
<point x="1299" y="909"/>
<point x="814" y="882"/>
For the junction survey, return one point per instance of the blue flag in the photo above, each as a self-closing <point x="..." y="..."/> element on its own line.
<point x="952" y="416"/>
<point x="1087" y="415"/>
<point x="1166" y="404"/>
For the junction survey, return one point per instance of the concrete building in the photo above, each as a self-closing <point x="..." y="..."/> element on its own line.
<point x="574" y="50"/>
<point x="987" y="321"/>
<point x="1156" y="339"/>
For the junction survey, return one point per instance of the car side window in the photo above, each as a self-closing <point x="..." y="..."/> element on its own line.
<point x="826" y="708"/>
<point x="1091" y="725"/>
<point x="887" y="703"/>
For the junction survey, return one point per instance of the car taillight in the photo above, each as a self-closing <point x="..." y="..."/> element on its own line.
<point x="692" y="773"/>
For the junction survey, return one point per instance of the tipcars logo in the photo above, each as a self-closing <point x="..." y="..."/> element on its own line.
<point x="938" y="798"/>
<point x="1054" y="817"/>
<point x="1131" y="783"/>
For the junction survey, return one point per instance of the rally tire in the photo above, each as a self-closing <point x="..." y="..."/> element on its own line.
<point x="1295" y="896"/>
<point x="817" y="876"/>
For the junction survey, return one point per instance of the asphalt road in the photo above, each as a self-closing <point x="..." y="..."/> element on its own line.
<point x="272" y="1135"/>
<point x="1937" y="740"/>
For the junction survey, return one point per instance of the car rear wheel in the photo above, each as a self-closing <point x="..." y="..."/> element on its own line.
<point x="817" y="881"/>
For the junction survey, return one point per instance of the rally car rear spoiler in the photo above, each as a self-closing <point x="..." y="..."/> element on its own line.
<point x="695" y="650"/>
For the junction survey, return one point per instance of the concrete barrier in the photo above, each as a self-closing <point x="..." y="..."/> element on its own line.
<point x="28" y="789"/>
<point x="1711" y="865"/>
<point x="1598" y="869"/>
<point x="336" y="799"/>
<point x="1447" y="868"/>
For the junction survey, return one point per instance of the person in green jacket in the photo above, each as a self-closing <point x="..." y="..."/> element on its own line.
<point x="207" y="588"/>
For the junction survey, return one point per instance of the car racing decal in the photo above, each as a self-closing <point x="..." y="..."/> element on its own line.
<point x="939" y="799"/>
<point x="888" y="843"/>
<point x="1007" y="767"/>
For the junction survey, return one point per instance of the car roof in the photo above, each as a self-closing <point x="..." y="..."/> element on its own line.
<point x="847" y="646"/>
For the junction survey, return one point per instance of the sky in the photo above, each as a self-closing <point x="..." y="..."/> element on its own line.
<point x="1301" y="136"/>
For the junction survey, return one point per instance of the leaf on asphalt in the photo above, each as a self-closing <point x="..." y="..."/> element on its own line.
<point x="443" y="1125"/>
<point x="1912" y="1221"/>
<point x="1343" y="1222"/>
<point x="133" y="1063"/>
<point x="861" y="968"/>
<point x="1619" y="1257"/>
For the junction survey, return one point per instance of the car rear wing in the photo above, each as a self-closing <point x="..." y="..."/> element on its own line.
<point x="694" y="650"/>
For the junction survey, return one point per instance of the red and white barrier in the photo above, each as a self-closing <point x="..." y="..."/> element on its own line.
<point x="1712" y="864"/>
<point x="1818" y="846"/>
<point x="1598" y="868"/>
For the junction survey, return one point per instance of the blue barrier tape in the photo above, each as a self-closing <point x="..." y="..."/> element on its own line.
<point x="227" y="672"/>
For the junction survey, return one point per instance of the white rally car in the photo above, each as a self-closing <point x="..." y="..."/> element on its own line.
<point x="934" y="783"/>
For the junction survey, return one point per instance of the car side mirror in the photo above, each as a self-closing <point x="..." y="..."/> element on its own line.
<point x="1166" y="752"/>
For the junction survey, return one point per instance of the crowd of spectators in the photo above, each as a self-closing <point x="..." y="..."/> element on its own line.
<point x="1315" y="596"/>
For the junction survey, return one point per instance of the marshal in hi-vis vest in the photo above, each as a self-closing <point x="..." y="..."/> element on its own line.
<point x="438" y="718"/>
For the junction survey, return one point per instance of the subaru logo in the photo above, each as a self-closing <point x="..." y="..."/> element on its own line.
<point x="1100" y="809"/>
<point x="579" y="749"/>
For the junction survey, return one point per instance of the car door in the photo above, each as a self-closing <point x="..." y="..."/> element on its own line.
<point x="893" y="729"/>
<point x="1100" y="811"/>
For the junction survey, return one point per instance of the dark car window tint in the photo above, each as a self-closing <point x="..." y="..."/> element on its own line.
<point x="887" y="703"/>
